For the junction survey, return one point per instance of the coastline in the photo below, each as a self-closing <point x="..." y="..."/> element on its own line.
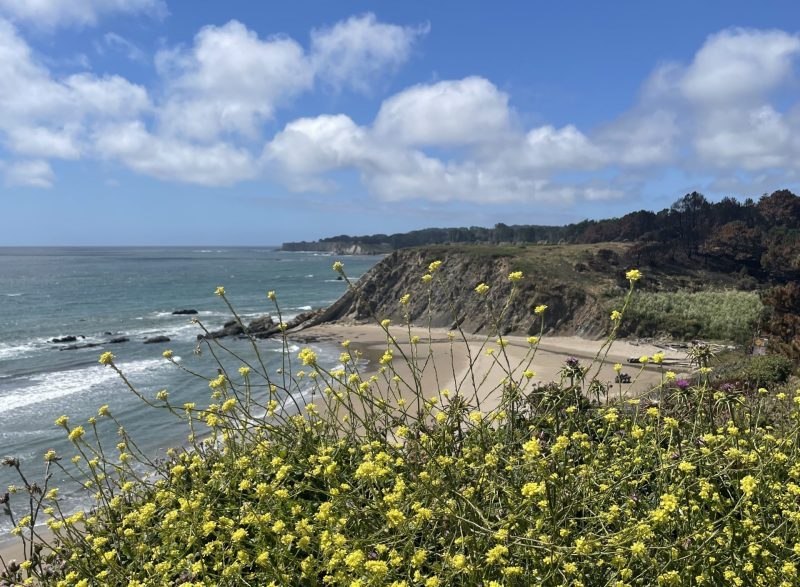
<point x="450" y="369"/>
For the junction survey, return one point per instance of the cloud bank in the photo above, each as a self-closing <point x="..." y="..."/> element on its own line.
<point x="205" y="120"/>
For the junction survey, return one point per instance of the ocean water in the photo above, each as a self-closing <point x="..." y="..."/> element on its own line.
<point x="100" y="293"/>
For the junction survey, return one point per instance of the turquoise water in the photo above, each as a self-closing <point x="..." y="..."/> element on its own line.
<point x="100" y="293"/>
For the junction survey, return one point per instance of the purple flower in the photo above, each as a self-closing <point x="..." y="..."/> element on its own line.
<point x="682" y="384"/>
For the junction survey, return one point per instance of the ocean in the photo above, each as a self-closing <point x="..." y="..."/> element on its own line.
<point x="97" y="294"/>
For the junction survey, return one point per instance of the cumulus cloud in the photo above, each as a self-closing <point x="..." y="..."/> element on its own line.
<point x="739" y="66"/>
<point x="215" y="93"/>
<point x="50" y="14"/>
<point x="43" y="116"/>
<point x="354" y="52"/>
<point x="229" y="81"/>
<point x="461" y="139"/>
<point x="216" y="164"/>
<point x="459" y="112"/>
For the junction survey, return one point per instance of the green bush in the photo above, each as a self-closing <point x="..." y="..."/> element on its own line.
<point x="767" y="371"/>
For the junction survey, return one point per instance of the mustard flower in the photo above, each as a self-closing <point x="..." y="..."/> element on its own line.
<point x="481" y="288"/>
<point x="167" y="354"/>
<point x="748" y="485"/>
<point x="106" y="358"/>
<point x="633" y="275"/>
<point x="271" y="295"/>
<point x="434" y="266"/>
<point x="540" y="309"/>
<point x="427" y="278"/>
<point x="533" y="489"/>
<point x="515" y="276"/>
<point x="405" y="298"/>
<point x="307" y="356"/>
<point x="220" y="291"/>
<point x="76" y="433"/>
<point x="616" y="315"/>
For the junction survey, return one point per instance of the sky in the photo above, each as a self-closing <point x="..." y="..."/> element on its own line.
<point x="176" y="122"/>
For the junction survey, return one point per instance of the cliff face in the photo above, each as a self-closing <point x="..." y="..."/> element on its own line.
<point x="451" y="298"/>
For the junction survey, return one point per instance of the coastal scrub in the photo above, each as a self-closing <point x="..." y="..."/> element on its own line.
<point x="337" y="475"/>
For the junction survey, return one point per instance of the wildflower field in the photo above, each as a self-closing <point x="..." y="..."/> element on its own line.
<point x="379" y="481"/>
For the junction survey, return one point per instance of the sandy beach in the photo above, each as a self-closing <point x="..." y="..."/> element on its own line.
<point x="452" y="364"/>
<point x="466" y="367"/>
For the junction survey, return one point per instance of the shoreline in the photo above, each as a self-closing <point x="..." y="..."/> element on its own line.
<point x="450" y="369"/>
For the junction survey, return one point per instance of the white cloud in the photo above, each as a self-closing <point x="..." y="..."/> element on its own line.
<point x="44" y="142"/>
<point x="754" y="139"/>
<point x="230" y="81"/>
<point x="216" y="164"/>
<point x="354" y="52"/>
<point x="50" y="14"/>
<point x="459" y="112"/>
<point x="737" y="66"/>
<point x="29" y="173"/>
<point x="444" y="141"/>
<point x="308" y="148"/>
<point x="41" y="116"/>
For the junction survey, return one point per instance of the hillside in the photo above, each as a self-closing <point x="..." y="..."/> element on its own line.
<point x="580" y="284"/>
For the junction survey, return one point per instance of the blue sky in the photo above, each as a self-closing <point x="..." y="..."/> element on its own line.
<point x="174" y="122"/>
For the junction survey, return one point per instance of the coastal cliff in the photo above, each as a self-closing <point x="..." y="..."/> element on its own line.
<point x="570" y="288"/>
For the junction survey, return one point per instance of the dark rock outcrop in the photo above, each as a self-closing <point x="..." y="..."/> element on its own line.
<point x="74" y="347"/>
<point x="184" y="312"/>
<point x="118" y="339"/>
<point x="63" y="339"/>
<point x="230" y="328"/>
<point x="156" y="339"/>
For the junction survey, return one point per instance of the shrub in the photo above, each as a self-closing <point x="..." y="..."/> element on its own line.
<point x="767" y="370"/>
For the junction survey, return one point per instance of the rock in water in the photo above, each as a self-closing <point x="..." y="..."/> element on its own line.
<point x="156" y="339"/>
<point x="119" y="339"/>
<point x="184" y="312"/>
<point x="69" y="338"/>
<point x="73" y="347"/>
<point x="230" y="328"/>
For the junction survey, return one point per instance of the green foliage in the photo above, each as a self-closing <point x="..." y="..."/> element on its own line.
<point x="767" y="371"/>
<point x="717" y="315"/>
